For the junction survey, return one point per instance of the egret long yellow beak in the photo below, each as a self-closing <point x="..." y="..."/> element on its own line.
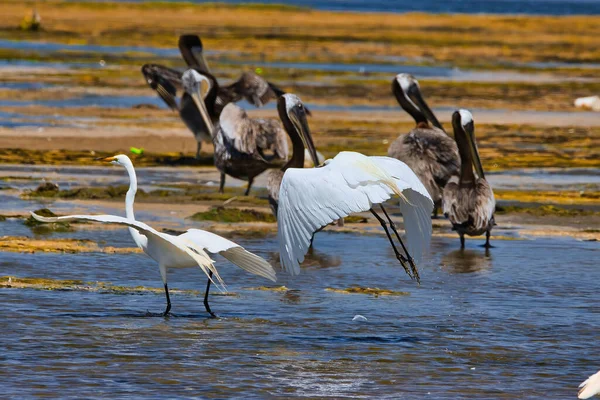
<point x="107" y="159"/>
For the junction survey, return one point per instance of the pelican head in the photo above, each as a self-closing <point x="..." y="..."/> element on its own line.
<point x="408" y="93"/>
<point x="190" y="46"/>
<point x="119" y="159"/>
<point x="292" y="112"/>
<point x="464" y="133"/>
<point x="198" y="86"/>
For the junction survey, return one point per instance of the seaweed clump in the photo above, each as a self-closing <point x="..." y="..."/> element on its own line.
<point x="369" y="291"/>
<point x="229" y="215"/>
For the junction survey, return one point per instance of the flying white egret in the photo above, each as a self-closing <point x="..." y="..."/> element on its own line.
<point x="183" y="251"/>
<point x="589" y="387"/>
<point x="310" y="198"/>
<point x="468" y="199"/>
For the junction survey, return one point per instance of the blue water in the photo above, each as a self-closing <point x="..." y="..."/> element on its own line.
<point x="537" y="7"/>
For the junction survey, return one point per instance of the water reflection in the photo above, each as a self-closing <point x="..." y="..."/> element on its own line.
<point x="466" y="261"/>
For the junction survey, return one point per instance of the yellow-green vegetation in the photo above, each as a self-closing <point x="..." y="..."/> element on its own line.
<point x="230" y="215"/>
<point x="270" y="31"/>
<point x="355" y="219"/>
<point x="95" y="193"/>
<point x="270" y="288"/>
<point x="30" y="245"/>
<point x="546" y="210"/>
<point x="555" y="197"/>
<point x="12" y="282"/>
<point x="40" y="227"/>
<point x="369" y="291"/>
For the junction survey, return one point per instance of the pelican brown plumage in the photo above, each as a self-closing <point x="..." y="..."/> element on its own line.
<point x="468" y="199"/>
<point x="293" y="116"/>
<point x="167" y="81"/>
<point x="426" y="149"/>
<point x="240" y="142"/>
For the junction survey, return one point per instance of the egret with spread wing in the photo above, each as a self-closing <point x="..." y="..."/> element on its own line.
<point x="426" y="149"/>
<point x="351" y="182"/>
<point x="183" y="251"/>
<point x="468" y="199"/>
<point x="241" y="142"/>
<point x="589" y="387"/>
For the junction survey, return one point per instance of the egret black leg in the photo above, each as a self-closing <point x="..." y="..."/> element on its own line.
<point x="462" y="241"/>
<point x="212" y="314"/>
<point x="168" y="301"/>
<point x="249" y="186"/>
<point x="408" y="258"/>
<point x="222" y="184"/>
<point x="399" y="256"/>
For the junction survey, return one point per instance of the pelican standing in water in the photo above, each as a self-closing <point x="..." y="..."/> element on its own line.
<point x="183" y="251"/>
<point x="468" y="199"/>
<point x="240" y="142"/>
<point x="311" y="198"/>
<point x="426" y="149"/>
<point x="167" y="81"/>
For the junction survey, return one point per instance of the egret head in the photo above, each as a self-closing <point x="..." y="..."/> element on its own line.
<point x="120" y="159"/>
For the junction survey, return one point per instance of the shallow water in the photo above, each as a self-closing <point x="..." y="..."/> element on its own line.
<point x="504" y="325"/>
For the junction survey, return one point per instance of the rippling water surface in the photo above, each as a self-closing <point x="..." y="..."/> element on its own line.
<point x="514" y="322"/>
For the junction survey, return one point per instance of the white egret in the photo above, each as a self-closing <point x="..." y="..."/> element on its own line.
<point x="468" y="200"/>
<point x="183" y="251"/>
<point x="351" y="182"/>
<point x="589" y="387"/>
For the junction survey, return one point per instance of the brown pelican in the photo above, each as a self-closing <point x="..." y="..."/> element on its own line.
<point x="427" y="150"/>
<point x="293" y="116"/>
<point x="166" y="81"/>
<point x="240" y="142"/>
<point x="468" y="199"/>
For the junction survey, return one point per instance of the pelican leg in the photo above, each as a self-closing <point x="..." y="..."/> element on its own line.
<point x="462" y="241"/>
<point x="212" y="314"/>
<point x="408" y="258"/>
<point x="250" y="180"/>
<point x="168" y="301"/>
<point x="222" y="184"/>
<point x="487" y="244"/>
<point x="435" y="212"/>
<point x="399" y="256"/>
<point x="199" y="146"/>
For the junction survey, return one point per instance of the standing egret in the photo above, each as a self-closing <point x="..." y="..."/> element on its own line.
<point x="183" y="251"/>
<point x="468" y="199"/>
<point x="241" y="142"/>
<point x="351" y="182"/>
<point x="426" y="149"/>
<point x="589" y="387"/>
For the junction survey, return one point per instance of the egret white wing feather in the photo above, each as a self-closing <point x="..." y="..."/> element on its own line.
<point x="160" y="239"/>
<point x="351" y="182"/>
<point x="232" y="251"/>
<point x="590" y="387"/>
